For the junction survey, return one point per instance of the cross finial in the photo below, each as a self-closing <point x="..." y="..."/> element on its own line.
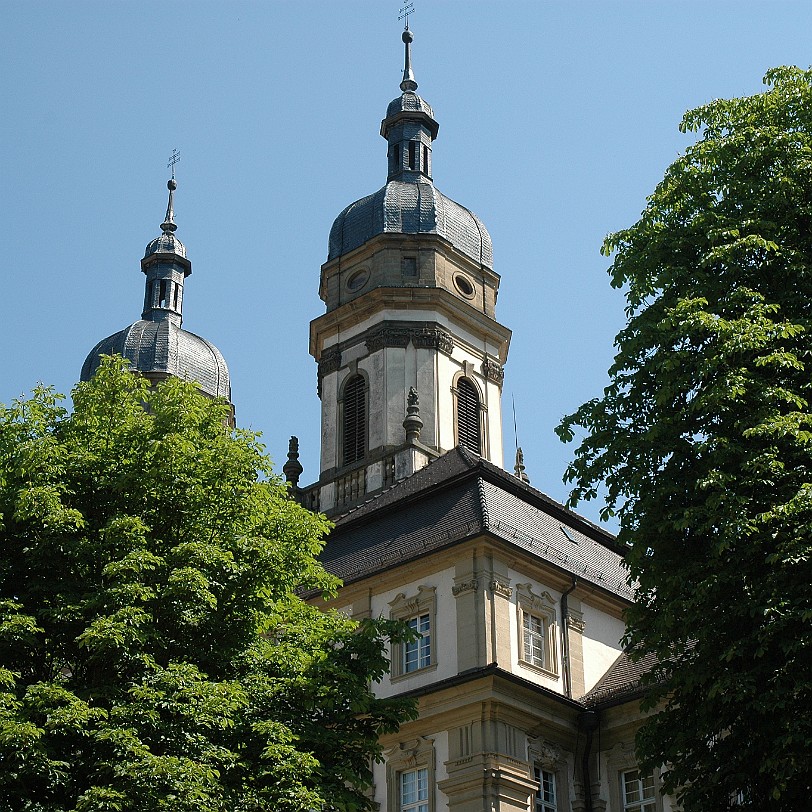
<point x="172" y="161"/>
<point x="408" y="8"/>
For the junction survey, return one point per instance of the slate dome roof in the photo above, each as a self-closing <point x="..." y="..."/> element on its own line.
<point x="163" y="347"/>
<point x="157" y="344"/>
<point x="410" y="102"/>
<point x="410" y="207"/>
<point x="167" y="243"/>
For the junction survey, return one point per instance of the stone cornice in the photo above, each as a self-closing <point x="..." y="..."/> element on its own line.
<point x="407" y="299"/>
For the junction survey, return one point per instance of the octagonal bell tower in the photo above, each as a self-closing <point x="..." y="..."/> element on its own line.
<point x="410" y="355"/>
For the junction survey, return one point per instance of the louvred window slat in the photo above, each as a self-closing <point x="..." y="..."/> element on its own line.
<point x="355" y="420"/>
<point x="469" y="432"/>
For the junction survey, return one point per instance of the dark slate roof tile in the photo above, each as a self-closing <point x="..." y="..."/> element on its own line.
<point x="621" y="681"/>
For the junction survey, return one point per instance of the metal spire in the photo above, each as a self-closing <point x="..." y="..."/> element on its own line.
<point x="408" y="82"/>
<point x="168" y="225"/>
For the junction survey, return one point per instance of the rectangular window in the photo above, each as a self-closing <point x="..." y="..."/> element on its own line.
<point x="414" y="791"/>
<point x="412" y="155"/>
<point x="417" y="654"/>
<point x="638" y="792"/>
<point x="533" y="627"/>
<point x="545" y="794"/>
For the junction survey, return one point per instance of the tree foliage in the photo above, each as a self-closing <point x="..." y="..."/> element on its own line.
<point x="703" y="441"/>
<point x="153" y="652"/>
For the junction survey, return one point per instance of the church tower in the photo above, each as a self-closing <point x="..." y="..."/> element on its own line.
<point x="156" y="346"/>
<point x="410" y="355"/>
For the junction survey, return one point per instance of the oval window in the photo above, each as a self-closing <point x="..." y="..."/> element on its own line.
<point x="358" y="279"/>
<point x="464" y="285"/>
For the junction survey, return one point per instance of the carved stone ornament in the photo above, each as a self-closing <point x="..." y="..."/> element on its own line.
<point x="493" y="371"/>
<point x="410" y="754"/>
<point x="464" y="586"/>
<point x="536" y="603"/>
<point x="575" y="621"/>
<point x="330" y="361"/>
<point x="545" y="753"/>
<point x="500" y="588"/>
<point x="388" y="337"/>
<point x="433" y="338"/>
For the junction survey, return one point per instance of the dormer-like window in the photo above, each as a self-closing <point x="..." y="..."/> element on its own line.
<point x="469" y="426"/>
<point x="354" y="410"/>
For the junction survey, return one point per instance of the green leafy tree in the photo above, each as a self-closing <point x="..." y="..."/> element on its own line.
<point x="703" y="442"/>
<point x="153" y="652"/>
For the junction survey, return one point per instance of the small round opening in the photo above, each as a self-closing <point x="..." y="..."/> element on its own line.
<point x="358" y="279"/>
<point x="464" y="285"/>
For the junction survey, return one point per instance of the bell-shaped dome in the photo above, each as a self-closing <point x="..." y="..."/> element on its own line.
<point x="158" y="348"/>
<point x="411" y="207"/>
<point x="167" y="243"/>
<point x="409" y="203"/>
<point x="408" y="102"/>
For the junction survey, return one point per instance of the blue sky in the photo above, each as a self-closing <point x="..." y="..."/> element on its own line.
<point x="557" y="119"/>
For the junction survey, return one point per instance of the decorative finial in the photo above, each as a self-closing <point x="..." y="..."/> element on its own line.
<point x="168" y="225"/>
<point x="174" y="158"/>
<point x="519" y="467"/>
<point x="292" y="469"/>
<point x="408" y="82"/>
<point x="413" y="424"/>
<point x="408" y="8"/>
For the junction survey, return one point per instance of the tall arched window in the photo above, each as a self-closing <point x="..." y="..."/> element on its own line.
<point x="469" y="429"/>
<point x="354" y="419"/>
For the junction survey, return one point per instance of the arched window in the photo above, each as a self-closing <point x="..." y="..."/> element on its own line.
<point x="469" y="430"/>
<point x="354" y="419"/>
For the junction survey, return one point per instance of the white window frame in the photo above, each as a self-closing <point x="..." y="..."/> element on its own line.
<point x="645" y="789"/>
<point x="419" y="801"/>
<point x="546" y="797"/>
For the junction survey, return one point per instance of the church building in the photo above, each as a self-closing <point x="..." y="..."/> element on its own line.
<point x="527" y="702"/>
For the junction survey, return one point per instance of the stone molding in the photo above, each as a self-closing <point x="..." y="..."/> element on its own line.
<point x="399" y="337"/>
<point x="465" y="586"/>
<point x="388" y="337"/>
<point x="575" y="621"/>
<point x="493" y="371"/>
<point x="330" y="361"/>
<point x="433" y="338"/>
<point x="500" y="588"/>
<point x="545" y="754"/>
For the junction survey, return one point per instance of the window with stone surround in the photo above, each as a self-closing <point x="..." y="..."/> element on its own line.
<point x="536" y="630"/>
<point x="354" y="419"/>
<point x="419" y="612"/>
<point x="550" y="771"/>
<point x="469" y="422"/>
<point x="410" y="776"/>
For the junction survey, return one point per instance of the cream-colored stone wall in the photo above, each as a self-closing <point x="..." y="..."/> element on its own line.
<point x="517" y="665"/>
<point x="601" y="642"/>
<point x="444" y="632"/>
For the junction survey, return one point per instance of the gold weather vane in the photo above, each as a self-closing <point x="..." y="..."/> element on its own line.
<point x="407" y="9"/>
<point x="172" y="161"/>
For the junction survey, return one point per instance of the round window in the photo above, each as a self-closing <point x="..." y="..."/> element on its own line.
<point x="358" y="279"/>
<point x="464" y="285"/>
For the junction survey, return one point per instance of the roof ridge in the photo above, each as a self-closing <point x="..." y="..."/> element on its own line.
<point x="483" y="504"/>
